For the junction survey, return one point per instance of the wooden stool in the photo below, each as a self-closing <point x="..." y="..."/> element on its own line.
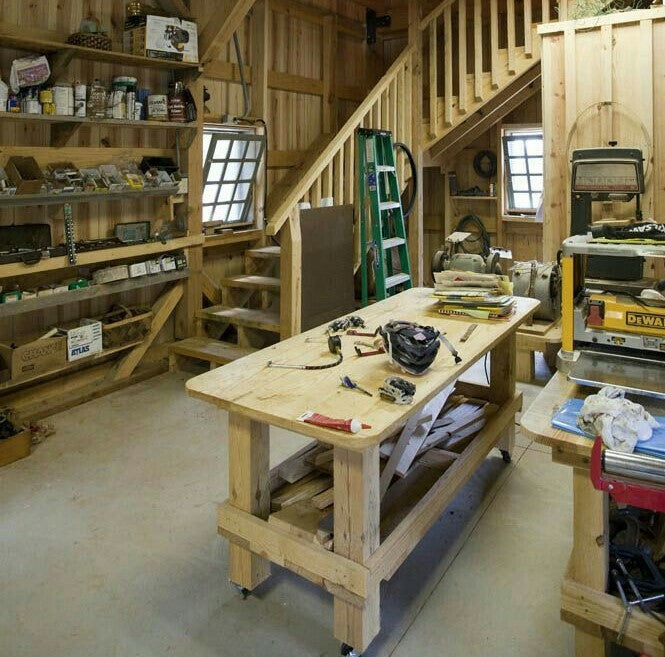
<point x="543" y="336"/>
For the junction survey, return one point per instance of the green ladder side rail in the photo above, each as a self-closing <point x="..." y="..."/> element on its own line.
<point x="380" y="209"/>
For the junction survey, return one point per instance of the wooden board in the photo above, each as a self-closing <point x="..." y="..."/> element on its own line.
<point x="284" y="394"/>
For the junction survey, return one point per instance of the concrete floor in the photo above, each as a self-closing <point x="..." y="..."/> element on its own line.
<point x="108" y="548"/>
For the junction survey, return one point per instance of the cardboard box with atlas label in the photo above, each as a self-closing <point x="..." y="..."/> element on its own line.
<point x="84" y="340"/>
<point x="164" y="38"/>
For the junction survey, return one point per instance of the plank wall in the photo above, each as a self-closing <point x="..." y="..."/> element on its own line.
<point x="603" y="80"/>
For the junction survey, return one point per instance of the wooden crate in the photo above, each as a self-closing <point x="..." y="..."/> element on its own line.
<point x="602" y="79"/>
<point x="15" y="448"/>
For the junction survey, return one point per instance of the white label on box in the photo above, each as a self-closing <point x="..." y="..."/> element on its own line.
<point x="84" y="341"/>
<point x="137" y="269"/>
<point x="168" y="263"/>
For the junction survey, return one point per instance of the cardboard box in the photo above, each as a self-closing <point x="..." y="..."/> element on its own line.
<point x="35" y="357"/>
<point x="15" y="448"/>
<point x="25" y="173"/>
<point x="164" y="38"/>
<point x="84" y="340"/>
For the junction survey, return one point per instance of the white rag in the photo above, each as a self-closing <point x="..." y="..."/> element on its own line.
<point x="620" y="422"/>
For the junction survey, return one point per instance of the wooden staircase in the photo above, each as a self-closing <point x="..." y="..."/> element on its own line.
<point x="467" y="91"/>
<point x="249" y="311"/>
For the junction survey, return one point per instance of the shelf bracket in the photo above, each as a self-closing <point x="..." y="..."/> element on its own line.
<point x="62" y="132"/>
<point x="59" y="61"/>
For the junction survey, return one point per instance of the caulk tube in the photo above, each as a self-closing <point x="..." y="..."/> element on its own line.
<point x="352" y="425"/>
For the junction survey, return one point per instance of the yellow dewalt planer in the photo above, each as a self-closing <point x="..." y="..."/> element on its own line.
<point x="613" y="319"/>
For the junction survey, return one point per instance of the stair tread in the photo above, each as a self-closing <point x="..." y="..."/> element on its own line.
<point x="392" y="242"/>
<point x="264" y="252"/>
<point x="215" y="351"/>
<point x="267" y="320"/>
<point x="396" y="279"/>
<point x="251" y="281"/>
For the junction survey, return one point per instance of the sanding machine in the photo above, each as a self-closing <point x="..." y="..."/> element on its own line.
<point x="613" y="330"/>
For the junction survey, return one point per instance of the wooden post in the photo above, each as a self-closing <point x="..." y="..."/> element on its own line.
<point x="249" y="490"/>
<point x="502" y="382"/>
<point x="356" y="531"/>
<point x="415" y="220"/>
<point x="291" y="276"/>
<point x="260" y="49"/>
<point x="192" y="300"/>
<point x="590" y="551"/>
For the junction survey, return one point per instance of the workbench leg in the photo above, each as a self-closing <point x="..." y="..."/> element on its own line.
<point x="249" y="454"/>
<point x="503" y="364"/>
<point x="590" y="551"/>
<point x="356" y="532"/>
<point x="526" y="366"/>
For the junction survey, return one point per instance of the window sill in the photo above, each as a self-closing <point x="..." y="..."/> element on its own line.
<point x="232" y="237"/>
<point x="520" y="220"/>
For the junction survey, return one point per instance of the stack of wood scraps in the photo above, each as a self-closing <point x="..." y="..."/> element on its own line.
<point x="302" y="491"/>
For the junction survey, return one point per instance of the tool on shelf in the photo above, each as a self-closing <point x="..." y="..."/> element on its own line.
<point x="335" y="347"/>
<point x="381" y="214"/>
<point x="70" y="239"/>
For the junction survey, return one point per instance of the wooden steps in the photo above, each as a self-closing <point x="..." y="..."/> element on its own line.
<point x="210" y="350"/>
<point x="265" y="320"/>
<point x="264" y="252"/>
<point x="252" y="282"/>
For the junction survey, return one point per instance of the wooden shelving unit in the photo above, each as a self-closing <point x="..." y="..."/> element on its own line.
<point x="102" y="255"/>
<point x="87" y="293"/>
<point x="86" y="142"/>
<point x="66" y="51"/>
<point x="28" y="200"/>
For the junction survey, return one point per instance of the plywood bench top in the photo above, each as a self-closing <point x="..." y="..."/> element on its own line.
<point x="279" y="396"/>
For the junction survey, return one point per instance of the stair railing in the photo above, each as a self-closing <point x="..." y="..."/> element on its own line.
<point x="459" y="71"/>
<point x="387" y="106"/>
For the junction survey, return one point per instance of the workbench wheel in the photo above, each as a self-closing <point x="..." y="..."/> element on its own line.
<point x="348" y="651"/>
<point x="505" y="455"/>
<point x="244" y="592"/>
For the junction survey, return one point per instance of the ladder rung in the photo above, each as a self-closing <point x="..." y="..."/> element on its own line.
<point x="396" y="279"/>
<point x="392" y="242"/>
<point x="389" y="205"/>
<point x="385" y="168"/>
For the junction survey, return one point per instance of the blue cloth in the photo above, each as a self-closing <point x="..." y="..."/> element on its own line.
<point x="566" y="418"/>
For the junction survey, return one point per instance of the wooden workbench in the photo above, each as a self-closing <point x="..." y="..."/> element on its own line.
<point x="364" y="554"/>
<point x="597" y="615"/>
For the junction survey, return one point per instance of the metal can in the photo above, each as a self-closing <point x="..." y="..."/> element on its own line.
<point x="138" y="109"/>
<point x="80" y="105"/>
<point x="158" y="109"/>
<point x="63" y="98"/>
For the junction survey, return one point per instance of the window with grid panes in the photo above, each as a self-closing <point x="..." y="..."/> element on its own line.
<point x="523" y="176"/>
<point x="231" y="160"/>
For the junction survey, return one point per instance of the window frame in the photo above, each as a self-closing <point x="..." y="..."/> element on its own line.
<point x="247" y="135"/>
<point x="512" y="133"/>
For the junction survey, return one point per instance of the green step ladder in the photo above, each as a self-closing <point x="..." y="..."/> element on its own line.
<point x="381" y="212"/>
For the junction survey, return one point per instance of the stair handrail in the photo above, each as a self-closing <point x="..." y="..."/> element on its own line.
<point x="327" y="155"/>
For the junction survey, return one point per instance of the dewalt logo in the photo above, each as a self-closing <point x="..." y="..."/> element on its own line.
<point x="646" y="320"/>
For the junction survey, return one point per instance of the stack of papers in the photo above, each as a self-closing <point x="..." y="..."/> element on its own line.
<point x="481" y="296"/>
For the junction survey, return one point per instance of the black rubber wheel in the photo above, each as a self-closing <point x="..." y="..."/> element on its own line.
<point x="348" y="651"/>
<point x="505" y="455"/>
<point x="244" y="592"/>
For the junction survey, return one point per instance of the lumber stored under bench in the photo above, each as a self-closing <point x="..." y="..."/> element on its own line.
<point x="367" y="548"/>
<point x="596" y="615"/>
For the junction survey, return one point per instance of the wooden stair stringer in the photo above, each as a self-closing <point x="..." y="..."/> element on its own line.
<point x="480" y="120"/>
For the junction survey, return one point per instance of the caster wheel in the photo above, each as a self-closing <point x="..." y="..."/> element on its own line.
<point x="243" y="591"/>
<point x="505" y="454"/>
<point x="348" y="651"/>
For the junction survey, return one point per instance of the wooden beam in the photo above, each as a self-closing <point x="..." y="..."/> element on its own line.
<point x="328" y="65"/>
<point x="220" y="28"/>
<point x="260" y="49"/>
<point x="291" y="277"/>
<point x="461" y="55"/>
<point x="162" y="310"/>
<point x="249" y="492"/>
<point x="356" y="537"/>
